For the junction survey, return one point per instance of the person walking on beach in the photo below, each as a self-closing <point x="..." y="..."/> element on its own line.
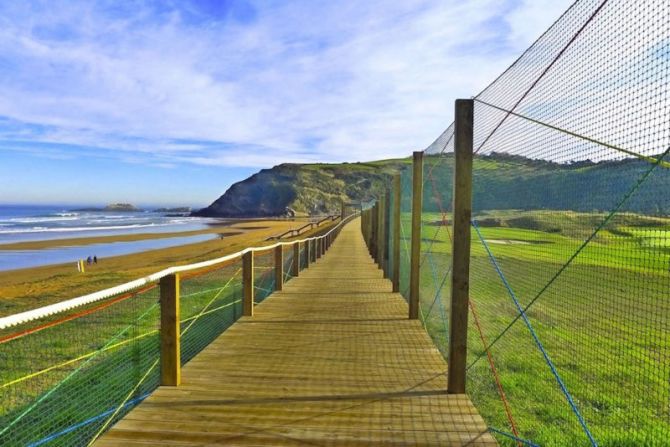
<point x="95" y="259"/>
<point x="89" y="260"/>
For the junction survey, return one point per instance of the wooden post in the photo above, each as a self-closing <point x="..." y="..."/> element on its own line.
<point x="386" y="228"/>
<point x="170" y="338"/>
<point x="415" y="256"/>
<point x="373" y="231"/>
<point x="395" y="275"/>
<point x="279" y="267"/>
<point x="308" y="254"/>
<point x="317" y="243"/>
<point x="382" y="233"/>
<point x="364" y="227"/>
<point x="295" y="266"/>
<point x="248" y="284"/>
<point x="368" y="229"/>
<point x="460" y="277"/>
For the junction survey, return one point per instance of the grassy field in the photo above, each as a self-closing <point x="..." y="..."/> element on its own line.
<point x="62" y="384"/>
<point x="603" y="321"/>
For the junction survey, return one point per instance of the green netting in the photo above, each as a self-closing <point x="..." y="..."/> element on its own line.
<point x="288" y="262"/>
<point x="264" y="275"/>
<point x="211" y="302"/>
<point x="570" y="261"/>
<point x="405" y="229"/>
<point x="62" y="383"/>
<point x="435" y="264"/>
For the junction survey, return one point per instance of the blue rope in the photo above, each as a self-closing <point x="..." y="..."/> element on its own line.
<point x="535" y="337"/>
<point x="86" y="422"/>
<point x="511" y="436"/>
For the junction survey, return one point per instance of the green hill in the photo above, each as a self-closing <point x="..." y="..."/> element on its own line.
<point x="501" y="182"/>
<point x="302" y="189"/>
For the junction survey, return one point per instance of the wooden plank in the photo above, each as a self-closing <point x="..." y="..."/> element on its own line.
<point x="415" y="254"/>
<point x="331" y="360"/>
<point x="248" y="284"/>
<point x="460" y="278"/>
<point x="170" y="331"/>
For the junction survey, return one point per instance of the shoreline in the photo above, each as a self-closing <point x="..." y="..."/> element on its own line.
<point x="215" y="228"/>
<point x="28" y="288"/>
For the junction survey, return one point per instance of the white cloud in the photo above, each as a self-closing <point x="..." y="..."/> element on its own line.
<point x="305" y="81"/>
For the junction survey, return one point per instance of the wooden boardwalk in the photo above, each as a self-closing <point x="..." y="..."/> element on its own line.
<point x="332" y="360"/>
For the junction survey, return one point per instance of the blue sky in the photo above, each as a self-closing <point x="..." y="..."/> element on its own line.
<point x="169" y="102"/>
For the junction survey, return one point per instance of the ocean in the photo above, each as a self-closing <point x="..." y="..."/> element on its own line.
<point x="19" y="223"/>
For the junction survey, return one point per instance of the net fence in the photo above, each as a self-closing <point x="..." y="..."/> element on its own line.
<point x="570" y="257"/>
<point x="63" y="378"/>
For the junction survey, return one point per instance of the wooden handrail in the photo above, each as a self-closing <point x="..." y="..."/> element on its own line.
<point x="298" y="231"/>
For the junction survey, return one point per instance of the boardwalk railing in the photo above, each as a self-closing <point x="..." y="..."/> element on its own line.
<point x="295" y="232"/>
<point x="71" y="370"/>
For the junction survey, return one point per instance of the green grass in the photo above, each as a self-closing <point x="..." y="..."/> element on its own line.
<point x="604" y="322"/>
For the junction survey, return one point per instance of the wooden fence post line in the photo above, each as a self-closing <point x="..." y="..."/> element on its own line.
<point x="395" y="275"/>
<point x="364" y="227"/>
<point x="279" y="267"/>
<point x="373" y="231"/>
<point x="369" y="224"/>
<point x="248" y="284"/>
<point x="415" y="256"/>
<point x="308" y="255"/>
<point x="170" y="337"/>
<point x="380" y="232"/>
<point x="295" y="266"/>
<point x="460" y="277"/>
<point x="386" y="236"/>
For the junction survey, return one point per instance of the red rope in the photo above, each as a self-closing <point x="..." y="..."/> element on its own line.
<point x="41" y="327"/>
<point x="501" y="392"/>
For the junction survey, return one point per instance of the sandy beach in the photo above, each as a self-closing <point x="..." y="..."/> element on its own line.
<point x="25" y="289"/>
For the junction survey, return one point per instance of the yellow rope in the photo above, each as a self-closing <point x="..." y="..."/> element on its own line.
<point x="211" y="301"/>
<point x="128" y="396"/>
<point x="75" y="360"/>
<point x="108" y="348"/>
